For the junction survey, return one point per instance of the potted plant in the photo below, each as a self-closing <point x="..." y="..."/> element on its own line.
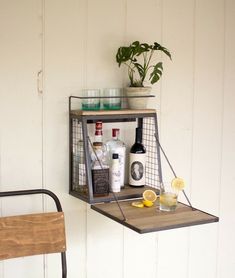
<point x="139" y="59"/>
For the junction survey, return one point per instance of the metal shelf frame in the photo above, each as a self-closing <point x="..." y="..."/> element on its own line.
<point x="83" y="118"/>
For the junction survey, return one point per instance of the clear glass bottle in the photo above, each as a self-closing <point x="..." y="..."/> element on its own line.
<point x="99" y="170"/>
<point x="115" y="145"/>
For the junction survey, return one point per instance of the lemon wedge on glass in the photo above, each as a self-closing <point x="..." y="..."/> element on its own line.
<point x="178" y="184"/>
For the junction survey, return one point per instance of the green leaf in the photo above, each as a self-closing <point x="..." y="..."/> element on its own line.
<point x="143" y="47"/>
<point x="156" y="74"/>
<point x="123" y="55"/>
<point x="139" y="68"/>
<point x="138" y="57"/>
<point x="138" y="49"/>
<point x="157" y="46"/>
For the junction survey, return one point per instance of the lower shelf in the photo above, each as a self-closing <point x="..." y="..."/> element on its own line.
<point x="145" y="220"/>
<point x="126" y="193"/>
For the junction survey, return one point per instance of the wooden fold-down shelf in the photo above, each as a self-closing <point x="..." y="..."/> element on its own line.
<point x="145" y="220"/>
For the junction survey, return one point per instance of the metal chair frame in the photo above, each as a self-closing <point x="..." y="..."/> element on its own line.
<point x="58" y="206"/>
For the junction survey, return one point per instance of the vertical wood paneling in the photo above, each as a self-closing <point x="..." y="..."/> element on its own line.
<point x="225" y="253"/>
<point x="143" y="23"/>
<point x="24" y="267"/>
<point x="65" y="22"/>
<point x="202" y="252"/>
<point x="81" y="39"/>
<point x="105" y="32"/>
<point x="207" y="131"/>
<point x="20" y="115"/>
<point x="177" y="86"/>
<point x="140" y="258"/>
<point x="20" y="56"/>
<point x="207" y="121"/>
<point x="176" y="122"/>
<point x="104" y="247"/>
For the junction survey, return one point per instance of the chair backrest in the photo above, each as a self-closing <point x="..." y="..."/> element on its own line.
<point x="33" y="234"/>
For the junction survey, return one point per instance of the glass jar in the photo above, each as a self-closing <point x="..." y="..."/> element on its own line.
<point x="91" y="99"/>
<point x="112" y="100"/>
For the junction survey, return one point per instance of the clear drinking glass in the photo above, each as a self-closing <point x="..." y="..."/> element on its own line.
<point x="112" y="102"/>
<point x="168" y="197"/>
<point x="92" y="100"/>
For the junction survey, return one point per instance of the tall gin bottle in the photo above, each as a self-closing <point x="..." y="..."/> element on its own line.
<point x="115" y="145"/>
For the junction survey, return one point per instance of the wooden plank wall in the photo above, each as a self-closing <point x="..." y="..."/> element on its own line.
<point x="20" y="117"/>
<point x="75" y="42"/>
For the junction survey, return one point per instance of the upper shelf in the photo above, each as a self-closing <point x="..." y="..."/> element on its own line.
<point x="112" y="112"/>
<point x="104" y="97"/>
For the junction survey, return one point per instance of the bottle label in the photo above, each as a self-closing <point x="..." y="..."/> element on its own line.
<point x="100" y="181"/>
<point x="122" y="155"/>
<point x="137" y="169"/>
<point x="115" y="178"/>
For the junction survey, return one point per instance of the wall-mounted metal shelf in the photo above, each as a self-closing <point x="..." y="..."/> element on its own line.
<point x="80" y="176"/>
<point x="140" y="220"/>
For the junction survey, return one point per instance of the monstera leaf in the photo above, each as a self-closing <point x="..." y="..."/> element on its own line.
<point x="156" y="74"/>
<point x="138" y="57"/>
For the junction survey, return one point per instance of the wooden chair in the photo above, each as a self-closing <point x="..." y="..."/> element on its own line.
<point x="33" y="234"/>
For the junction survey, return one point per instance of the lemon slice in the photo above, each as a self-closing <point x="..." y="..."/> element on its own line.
<point x="149" y="195"/>
<point x="137" y="204"/>
<point x="178" y="184"/>
<point x="147" y="203"/>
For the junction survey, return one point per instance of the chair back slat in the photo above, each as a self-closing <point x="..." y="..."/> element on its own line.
<point x="32" y="234"/>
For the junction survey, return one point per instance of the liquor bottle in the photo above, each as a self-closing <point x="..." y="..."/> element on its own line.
<point x="137" y="161"/>
<point x="99" y="139"/>
<point x="117" y="146"/>
<point x="99" y="171"/>
<point x="115" y="185"/>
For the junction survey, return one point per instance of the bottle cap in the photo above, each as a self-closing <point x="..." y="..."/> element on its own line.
<point x="98" y="129"/>
<point x="115" y="132"/>
<point x="139" y="134"/>
<point x="115" y="155"/>
<point x="97" y="144"/>
<point x="98" y="125"/>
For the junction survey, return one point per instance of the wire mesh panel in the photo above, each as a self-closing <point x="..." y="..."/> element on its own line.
<point x="153" y="167"/>
<point x="79" y="183"/>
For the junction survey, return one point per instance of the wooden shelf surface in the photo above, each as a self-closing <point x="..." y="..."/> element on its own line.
<point x="126" y="193"/>
<point x="112" y="112"/>
<point x="145" y="220"/>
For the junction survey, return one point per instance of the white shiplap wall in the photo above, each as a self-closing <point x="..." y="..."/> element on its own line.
<point x="75" y="42"/>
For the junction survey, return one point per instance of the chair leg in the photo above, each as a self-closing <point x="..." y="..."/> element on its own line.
<point x="64" y="265"/>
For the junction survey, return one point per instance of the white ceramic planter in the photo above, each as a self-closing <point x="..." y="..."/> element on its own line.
<point x="137" y="103"/>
